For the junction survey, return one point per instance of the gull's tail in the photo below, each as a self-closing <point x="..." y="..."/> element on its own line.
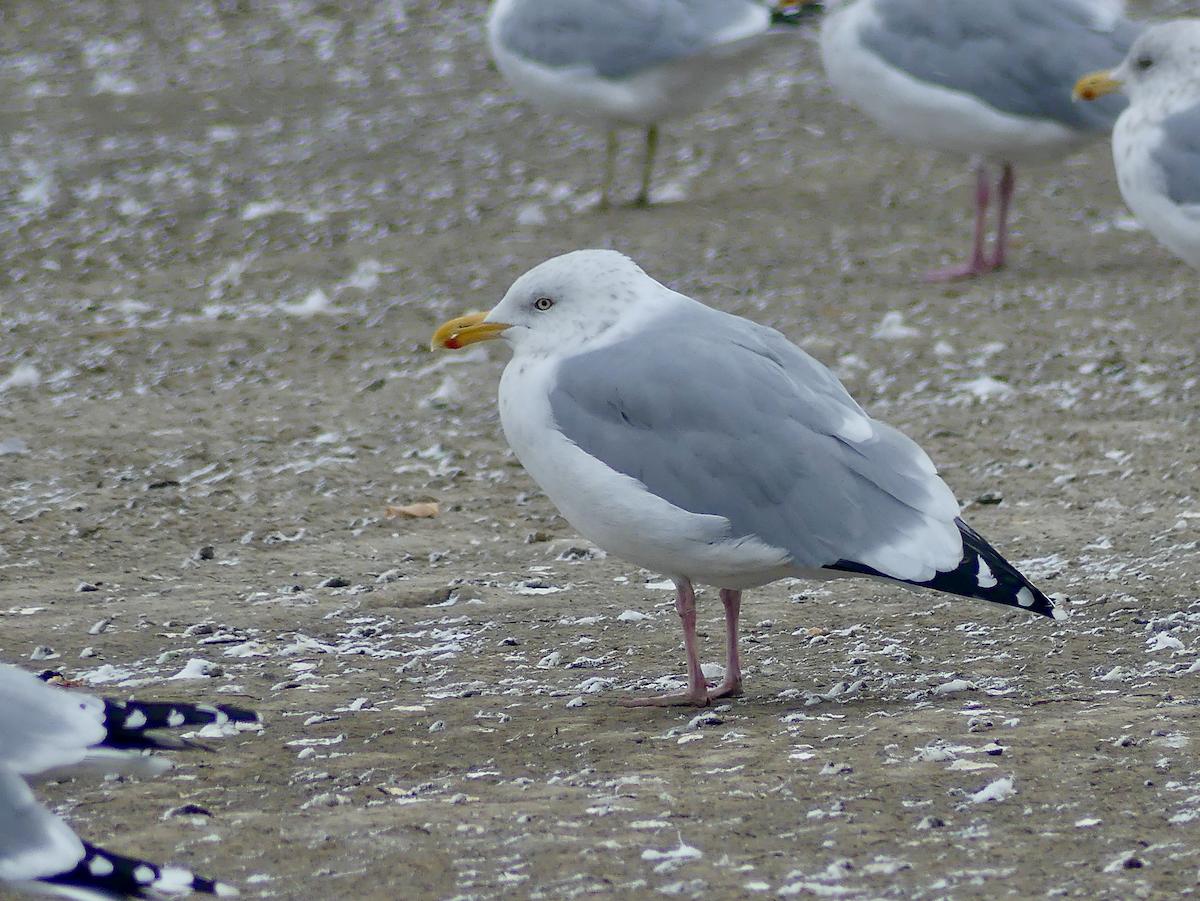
<point x="982" y="573"/>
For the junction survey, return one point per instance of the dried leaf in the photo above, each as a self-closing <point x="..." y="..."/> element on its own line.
<point x="412" y="511"/>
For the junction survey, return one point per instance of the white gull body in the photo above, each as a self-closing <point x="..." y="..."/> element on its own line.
<point x="712" y="449"/>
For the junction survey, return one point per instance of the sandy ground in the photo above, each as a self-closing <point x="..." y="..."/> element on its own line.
<point x="229" y="230"/>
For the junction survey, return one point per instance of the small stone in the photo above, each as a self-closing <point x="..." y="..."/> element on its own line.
<point x="437" y="726"/>
<point x="990" y="497"/>
<point x="207" y="552"/>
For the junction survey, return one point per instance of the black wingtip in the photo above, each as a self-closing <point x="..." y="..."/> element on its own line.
<point x="104" y="875"/>
<point x="795" y="12"/>
<point x="982" y="574"/>
<point x="130" y="723"/>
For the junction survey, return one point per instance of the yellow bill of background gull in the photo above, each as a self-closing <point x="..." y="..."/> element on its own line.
<point x="1156" y="142"/>
<point x="986" y="79"/>
<point x="45" y="732"/>
<point x="712" y="449"/>
<point x="630" y="63"/>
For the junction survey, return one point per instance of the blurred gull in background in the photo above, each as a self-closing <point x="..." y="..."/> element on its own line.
<point x="986" y="79"/>
<point x="630" y="63"/>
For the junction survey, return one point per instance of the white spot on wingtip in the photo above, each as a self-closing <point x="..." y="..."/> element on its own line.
<point x="1025" y="597"/>
<point x="984" y="577"/>
<point x="135" y="720"/>
<point x="100" y="866"/>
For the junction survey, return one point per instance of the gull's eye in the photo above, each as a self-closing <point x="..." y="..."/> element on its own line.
<point x="1144" y="62"/>
<point x="543" y="304"/>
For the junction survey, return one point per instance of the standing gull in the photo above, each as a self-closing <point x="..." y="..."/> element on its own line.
<point x="1156" y="142"/>
<point x="986" y="79"/>
<point x="630" y="63"/>
<point x="707" y="447"/>
<point x="46" y="732"/>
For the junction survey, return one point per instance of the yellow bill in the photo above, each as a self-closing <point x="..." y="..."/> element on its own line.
<point x="466" y="330"/>
<point x="1097" y="84"/>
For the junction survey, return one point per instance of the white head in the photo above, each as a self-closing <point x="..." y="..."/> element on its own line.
<point x="1161" y="72"/>
<point x="579" y="300"/>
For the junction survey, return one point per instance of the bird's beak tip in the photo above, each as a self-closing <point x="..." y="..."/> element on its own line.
<point x="465" y="330"/>
<point x="1095" y="85"/>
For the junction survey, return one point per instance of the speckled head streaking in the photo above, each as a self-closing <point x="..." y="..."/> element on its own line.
<point x="710" y="448"/>
<point x="571" y="303"/>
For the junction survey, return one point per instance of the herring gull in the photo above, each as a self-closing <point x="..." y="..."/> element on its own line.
<point x="990" y="80"/>
<point x="630" y="63"/>
<point x="704" y="446"/>
<point x="1156" y="142"/>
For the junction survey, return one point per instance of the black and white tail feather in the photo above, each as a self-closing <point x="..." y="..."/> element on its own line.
<point x="134" y="724"/>
<point x="982" y="573"/>
<point x="103" y="876"/>
<point x="47" y="731"/>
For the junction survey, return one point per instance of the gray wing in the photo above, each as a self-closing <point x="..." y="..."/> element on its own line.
<point x="1021" y="57"/>
<point x="41" y="726"/>
<point x="617" y="38"/>
<point x="739" y="422"/>
<point x="33" y="842"/>
<point x="1179" y="156"/>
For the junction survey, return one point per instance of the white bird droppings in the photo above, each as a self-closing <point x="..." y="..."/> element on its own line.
<point x="892" y="328"/>
<point x="999" y="790"/>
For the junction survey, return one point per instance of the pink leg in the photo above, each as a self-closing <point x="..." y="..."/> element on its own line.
<point x="1008" y="185"/>
<point x="697" y="690"/>
<point x="978" y="264"/>
<point x="732" y="683"/>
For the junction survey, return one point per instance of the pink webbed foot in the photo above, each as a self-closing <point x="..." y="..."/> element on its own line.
<point x="679" y="699"/>
<point x="967" y="269"/>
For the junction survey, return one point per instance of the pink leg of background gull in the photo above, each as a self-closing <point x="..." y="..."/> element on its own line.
<point x="978" y="263"/>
